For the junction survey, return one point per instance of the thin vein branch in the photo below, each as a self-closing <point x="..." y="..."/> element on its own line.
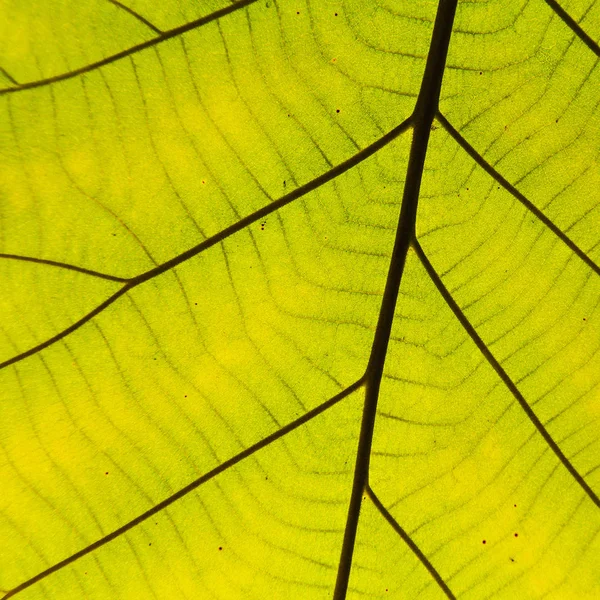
<point x="488" y="168"/>
<point x="8" y="76"/>
<point x="574" y="26"/>
<point x="234" y="460"/>
<point x="409" y="542"/>
<point x="62" y="265"/>
<point x="136" y="16"/>
<point x="166" y="35"/>
<point x="312" y="185"/>
<point x="491" y="359"/>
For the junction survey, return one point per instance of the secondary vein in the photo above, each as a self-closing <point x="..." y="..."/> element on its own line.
<point x="309" y="416"/>
<point x="312" y="185"/>
<point x="62" y="265"/>
<point x="570" y="22"/>
<point x="504" y="376"/>
<point x="166" y="35"/>
<point x="410" y="543"/>
<point x="511" y="189"/>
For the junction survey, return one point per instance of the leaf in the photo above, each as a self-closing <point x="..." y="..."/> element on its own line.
<point x="300" y="300"/>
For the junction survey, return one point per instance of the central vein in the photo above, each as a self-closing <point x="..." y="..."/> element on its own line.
<point x="422" y="118"/>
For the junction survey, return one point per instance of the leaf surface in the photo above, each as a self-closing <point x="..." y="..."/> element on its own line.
<point x="300" y="300"/>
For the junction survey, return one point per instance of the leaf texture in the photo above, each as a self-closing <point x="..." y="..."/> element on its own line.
<point x="300" y="300"/>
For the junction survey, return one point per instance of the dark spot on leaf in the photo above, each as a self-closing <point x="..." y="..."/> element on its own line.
<point x="150" y="544"/>
<point x="484" y="541"/>
<point x="106" y="473"/>
<point x="336" y="16"/>
<point x="516" y="535"/>
<point x="220" y="547"/>
<point x="337" y="110"/>
<point x="481" y="72"/>
<point x="511" y="559"/>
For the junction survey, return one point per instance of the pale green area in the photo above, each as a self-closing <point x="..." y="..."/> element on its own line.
<point x="127" y="166"/>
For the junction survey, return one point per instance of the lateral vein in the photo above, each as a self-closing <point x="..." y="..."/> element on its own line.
<point x="504" y="376"/>
<point x="511" y="189"/>
<point x="222" y="235"/>
<point x="166" y="35"/>
<point x="234" y="460"/>
<point x="409" y="542"/>
<point x="570" y="22"/>
<point x="62" y="265"/>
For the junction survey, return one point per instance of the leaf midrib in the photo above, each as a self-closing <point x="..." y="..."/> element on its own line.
<point x="424" y="113"/>
<point x="421" y="120"/>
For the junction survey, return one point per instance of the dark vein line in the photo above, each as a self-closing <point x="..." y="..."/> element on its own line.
<point x="167" y="35"/>
<point x="223" y="234"/>
<point x="8" y="76"/>
<point x="312" y="185"/>
<point x="574" y="26"/>
<point x="425" y="110"/>
<point x="137" y="16"/>
<point x="409" y="542"/>
<point x="488" y="168"/>
<point x="55" y="263"/>
<point x="188" y="488"/>
<point x="65" y="332"/>
<point x="503" y="374"/>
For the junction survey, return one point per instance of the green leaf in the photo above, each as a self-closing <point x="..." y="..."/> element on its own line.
<point x="300" y="300"/>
